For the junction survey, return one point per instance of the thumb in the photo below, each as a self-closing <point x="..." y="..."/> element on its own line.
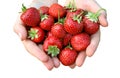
<point x="19" y="29"/>
<point x="93" y="6"/>
<point x="103" y="19"/>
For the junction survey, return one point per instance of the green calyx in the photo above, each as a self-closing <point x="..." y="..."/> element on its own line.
<point x="71" y="6"/>
<point x="23" y="8"/>
<point x="94" y="16"/>
<point x="78" y="17"/>
<point x="53" y="51"/>
<point x="60" y="20"/>
<point x="32" y="34"/>
<point x="43" y="17"/>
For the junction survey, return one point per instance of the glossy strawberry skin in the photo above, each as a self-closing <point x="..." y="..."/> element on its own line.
<point x="44" y="10"/>
<point x="67" y="56"/>
<point x="47" y="23"/>
<point x="73" y="27"/>
<point x="58" y="30"/>
<point x="52" y="41"/>
<point x="66" y="39"/>
<point x="71" y="14"/>
<point x="56" y="9"/>
<point x="80" y="41"/>
<point x="30" y="17"/>
<point x="40" y="35"/>
<point x="90" y="27"/>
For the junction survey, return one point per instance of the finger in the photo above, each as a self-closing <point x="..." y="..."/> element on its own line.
<point x="56" y="62"/>
<point x="33" y="49"/>
<point x="19" y="29"/>
<point x="38" y="3"/>
<point x="93" y="6"/>
<point x="93" y="44"/>
<point x="103" y="19"/>
<point x="81" y="58"/>
<point x="49" y="64"/>
<point x="72" y="66"/>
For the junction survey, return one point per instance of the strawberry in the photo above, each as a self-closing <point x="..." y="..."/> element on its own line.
<point x="67" y="56"/>
<point x="44" y="10"/>
<point x="36" y="34"/>
<point x="80" y="41"/>
<point x="67" y="39"/>
<point x="30" y="16"/>
<point x="76" y="12"/>
<point x="52" y="45"/>
<point x="73" y="25"/>
<point x="58" y="30"/>
<point x="91" y="23"/>
<point x="47" y="22"/>
<point x="55" y="9"/>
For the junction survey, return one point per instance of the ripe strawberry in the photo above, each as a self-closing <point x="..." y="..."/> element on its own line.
<point x="44" y="10"/>
<point x="80" y="41"/>
<point x="47" y="22"/>
<point x="58" y="30"/>
<point x="91" y="23"/>
<point x="49" y="34"/>
<point x="36" y="34"/>
<point x="56" y="9"/>
<point x="67" y="39"/>
<point x="67" y="56"/>
<point x="30" y="16"/>
<point x="73" y="25"/>
<point x="52" y="45"/>
<point x="76" y="12"/>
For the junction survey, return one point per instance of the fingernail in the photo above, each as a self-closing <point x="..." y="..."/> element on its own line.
<point x="19" y="34"/>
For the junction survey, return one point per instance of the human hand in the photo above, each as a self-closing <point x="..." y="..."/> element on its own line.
<point x="31" y="47"/>
<point x="93" y="6"/>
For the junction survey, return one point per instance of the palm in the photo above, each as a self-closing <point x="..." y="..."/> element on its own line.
<point x="36" y="50"/>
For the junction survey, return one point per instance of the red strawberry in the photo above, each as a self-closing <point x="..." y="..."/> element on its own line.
<point x="73" y="25"/>
<point x="67" y="56"/>
<point x="80" y="41"/>
<point x="49" y="34"/>
<point x="56" y="9"/>
<point x="44" y="10"/>
<point x="47" y="22"/>
<point x="36" y="34"/>
<point x="52" y="45"/>
<point x="30" y="16"/>
<point x="76" y="12"/>
<point x="91" y="23"/>
<point x="58" y="30"/>
<point x="67" y="39"/>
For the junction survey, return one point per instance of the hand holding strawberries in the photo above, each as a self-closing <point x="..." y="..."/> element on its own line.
<point x="55" y="42"/>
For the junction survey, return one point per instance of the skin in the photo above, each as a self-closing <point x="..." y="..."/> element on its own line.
<point x="50" y="63"/>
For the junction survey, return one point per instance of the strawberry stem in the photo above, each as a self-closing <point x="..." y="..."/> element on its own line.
<point x="53" y="50"/>
<point x="97" y="14"/>
<point x="60" y="20"/>
<point x="71" y="6"/>
<point x="94" y="16"/>
<point x="69" y="46"/>
<point x="23" y="8"/>
<point x="78" y="17"/>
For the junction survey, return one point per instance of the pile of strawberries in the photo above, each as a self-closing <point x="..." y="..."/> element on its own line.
<point x="63" y="31"/>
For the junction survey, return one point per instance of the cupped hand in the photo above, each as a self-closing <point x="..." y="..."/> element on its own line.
<point x="92" y="6"/>
<point x="31" y="47"/>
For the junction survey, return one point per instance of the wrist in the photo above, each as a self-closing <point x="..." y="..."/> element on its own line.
<point x="38" y="3"/>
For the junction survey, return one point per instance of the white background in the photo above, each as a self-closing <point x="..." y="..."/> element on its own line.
<point x="16" y="62"/>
